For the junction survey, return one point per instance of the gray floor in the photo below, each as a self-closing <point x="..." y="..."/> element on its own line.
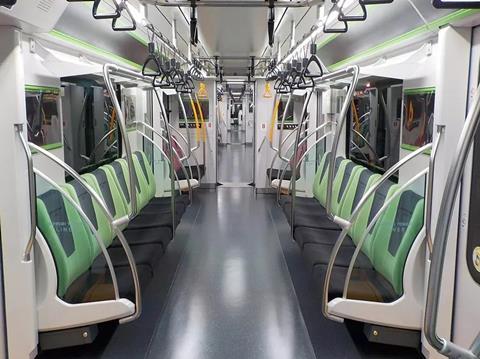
<point x="235" y="160"/>
<point x="232" y="296"/>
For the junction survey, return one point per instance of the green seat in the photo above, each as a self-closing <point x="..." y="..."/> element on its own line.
<point x="102" y="181"/>
<point x="119" y="171"/>
<point x="65" y="232"/>
<point x="394" y="234"/>
<point x="94" y="213"/>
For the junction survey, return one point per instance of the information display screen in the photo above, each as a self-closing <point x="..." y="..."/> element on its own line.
<point x="456" y="4"/>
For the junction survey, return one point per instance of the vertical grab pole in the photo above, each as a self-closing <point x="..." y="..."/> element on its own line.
<point x="172" y="169"/>
<point x="293" y="179"/>
<point x="31" y="193"/>
<point x="429" y="191"/>
<point x="442" y="345"/>
<point x="280" y="134"/>
<point x="184" y="113"/>
<point x="121" y="123"/>
<point x="340" y="125"/>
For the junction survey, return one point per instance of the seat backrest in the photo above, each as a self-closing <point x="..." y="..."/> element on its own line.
<point x="94" y="213"/>
<point x="322" y="168"/>
<point x="119" y="171"/>
<point x="357" y="186"/>
<point x="369" y="211"/>
<point x="321" y="191"/>
<point x="394" y="234"/>
<point x="146" y="170"/>
<point x="103" y="182"/>
<point x="65" y="232"/>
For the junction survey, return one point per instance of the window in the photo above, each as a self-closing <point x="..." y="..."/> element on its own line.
<point x="374" y="122"/>
<point x="91" y="136"/>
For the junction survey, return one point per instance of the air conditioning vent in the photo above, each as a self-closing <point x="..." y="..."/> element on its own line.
<point x="45" y="5"/>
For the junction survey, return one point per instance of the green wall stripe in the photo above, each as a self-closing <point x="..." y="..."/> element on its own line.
<point x="44" y="89"/>
<point x="72" y="40"/>
<point x="419" y="91"/>
<point x="412" y="148"/>
<point x="432" y="26"/>
<point x="50" y="147"/>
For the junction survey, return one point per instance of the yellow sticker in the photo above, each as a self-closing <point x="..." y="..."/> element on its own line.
<point x="268" y="91"/>
<point x="202" y="91"/>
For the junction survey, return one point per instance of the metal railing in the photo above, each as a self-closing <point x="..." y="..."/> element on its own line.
<point x="103" y="207"/>
<point x="346" y="224"/>
<point x="31" y="195"/>
<point x="354" y="71"/>
<point x="444" y="345"/>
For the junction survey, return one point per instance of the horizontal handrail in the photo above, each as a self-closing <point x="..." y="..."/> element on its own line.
<point x="31" y="195"/>
<point x="89" y="223"/>
<point x="347" y="224"/>
<point x="111" y="220"/>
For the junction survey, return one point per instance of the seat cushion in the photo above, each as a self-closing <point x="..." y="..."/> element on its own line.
<point x="299" y="201"/>
<point x="178" y="199"/>
<point x="365" y="284"/>
<point x="155" y="235"/>
<point x="314" y="253"/>
<point x="151" y="220"/>
<point x="314" y="220"/>
<point x="146" y="254"/>
<point x="304" y="235"/>
<point x="305" y="208"/>
<point x="164" y="206"/>
<point x="194" y="172"/>
<point x="97" y="285"/>
<point x="276" y="173"/>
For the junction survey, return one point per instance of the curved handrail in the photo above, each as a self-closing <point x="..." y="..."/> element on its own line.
<point x="107" y="69"/>
<point x="32" y="195"/>
<point x="191" y="153"/>
<point x="90" y="225"/>
<point x="284" y="159"/>
<point x="102" y="140"/>
<point x="111" y="220"/>
<point x="169" y="162"/>
<point x="295" y="167"/>
<point x="355" y="72"/>
<point x="299" y="164"/>
<point x="302" y="116"/>
<point x="360" y="151"/>
<point x="163" y="138"/>
<point x="373" y="222"/>
<point x="369" y="145"/>
<point x="347" y="224"/>
<point x="459" y="159"/>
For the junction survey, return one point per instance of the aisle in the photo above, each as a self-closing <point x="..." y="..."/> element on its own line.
<point x="235" y="161"/>
<point x="232" y="296"/>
